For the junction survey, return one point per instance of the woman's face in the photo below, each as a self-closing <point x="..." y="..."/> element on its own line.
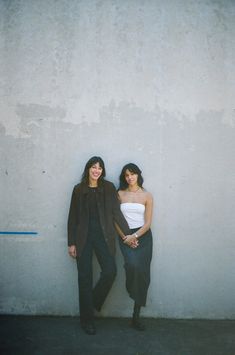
<point x="131" y="178"/>
<point x="95" y="172"/>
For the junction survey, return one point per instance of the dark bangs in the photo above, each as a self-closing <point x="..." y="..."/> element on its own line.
<point x="133" y="168"/>
<point x="92" y="161"/>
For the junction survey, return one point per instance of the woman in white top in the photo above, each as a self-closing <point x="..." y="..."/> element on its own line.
<point x="136" y="206"/>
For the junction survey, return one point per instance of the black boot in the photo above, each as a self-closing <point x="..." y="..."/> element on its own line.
<point x="136" y="323"/>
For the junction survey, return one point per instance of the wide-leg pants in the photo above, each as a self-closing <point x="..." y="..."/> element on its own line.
<point x="137" y="267"/>
<point x="89" y="297"/>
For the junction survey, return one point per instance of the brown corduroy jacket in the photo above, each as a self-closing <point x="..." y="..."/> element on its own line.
<point x="109" y="213"/>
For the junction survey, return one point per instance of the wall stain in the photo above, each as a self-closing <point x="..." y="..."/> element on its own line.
<point x="40" y="112"/>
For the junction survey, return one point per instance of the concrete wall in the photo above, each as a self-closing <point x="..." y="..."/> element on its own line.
<point x="145" y="81"/>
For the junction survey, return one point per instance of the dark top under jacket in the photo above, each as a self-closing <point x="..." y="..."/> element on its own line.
<point x="109" y="212"/>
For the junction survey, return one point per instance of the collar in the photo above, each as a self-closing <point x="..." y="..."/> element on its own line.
<point x="85" y="188"/>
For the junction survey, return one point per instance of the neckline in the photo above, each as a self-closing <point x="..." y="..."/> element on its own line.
<point x="134" y="192"/>
<point x="132" y="203"/>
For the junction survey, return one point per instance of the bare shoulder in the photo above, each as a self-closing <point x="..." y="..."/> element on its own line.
<point x="120" y="192"/>
<point x="148" y="196"/>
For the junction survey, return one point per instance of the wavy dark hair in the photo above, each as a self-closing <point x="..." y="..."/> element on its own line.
<point x="133" y="168"/>
<point x="92" y="161"/>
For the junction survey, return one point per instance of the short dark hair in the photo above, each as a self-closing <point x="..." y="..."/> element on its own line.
<point x="133" y="168"/>
<point x="92" y="161"/>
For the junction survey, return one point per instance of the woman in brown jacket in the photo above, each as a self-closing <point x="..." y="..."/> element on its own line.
<point x="93" y="211"/>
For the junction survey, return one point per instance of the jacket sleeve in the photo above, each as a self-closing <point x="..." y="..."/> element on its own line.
<point x="72" y="218"/>
<point x="117" y="214"/>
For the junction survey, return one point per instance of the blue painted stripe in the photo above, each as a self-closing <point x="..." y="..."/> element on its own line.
<point x="19" y="233"/>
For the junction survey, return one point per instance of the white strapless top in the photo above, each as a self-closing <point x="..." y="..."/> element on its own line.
<point x="133" y="213"/>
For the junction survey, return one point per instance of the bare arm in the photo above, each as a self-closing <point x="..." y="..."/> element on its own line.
<point x="148" y="219"/>
<point x="147" y="216"/>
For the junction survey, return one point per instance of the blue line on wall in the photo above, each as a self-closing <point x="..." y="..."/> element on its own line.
<point x="19" y="233"/>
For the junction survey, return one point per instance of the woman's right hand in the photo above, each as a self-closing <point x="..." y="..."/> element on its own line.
<point x="72" y="251"/>
<point x="131" y="241"/>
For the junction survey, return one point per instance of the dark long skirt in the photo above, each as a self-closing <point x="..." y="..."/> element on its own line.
<point x="137" y="267"/>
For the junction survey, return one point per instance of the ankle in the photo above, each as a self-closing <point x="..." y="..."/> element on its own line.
<point x="136" y="311"/>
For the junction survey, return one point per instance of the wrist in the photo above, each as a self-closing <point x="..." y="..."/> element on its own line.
<point x="135" y="235"/>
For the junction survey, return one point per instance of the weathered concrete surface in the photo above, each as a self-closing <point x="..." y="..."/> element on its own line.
<point x="150" y="82"/>
<point x="63" y="335"/>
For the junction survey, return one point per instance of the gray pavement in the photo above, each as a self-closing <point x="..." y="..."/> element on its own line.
<point x="62" y="335"/>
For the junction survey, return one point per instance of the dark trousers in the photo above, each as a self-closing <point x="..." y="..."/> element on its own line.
<point x="90" y="298"/>
<point x="137" y="267"/>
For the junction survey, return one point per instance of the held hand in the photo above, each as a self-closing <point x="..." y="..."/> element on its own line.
<point x="72" y="251"/>
<point x="131" y="240"/>
<point x="134" y="244"/>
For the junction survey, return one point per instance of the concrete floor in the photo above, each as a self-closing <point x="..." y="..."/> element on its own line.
<point x="62" y="335"/>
